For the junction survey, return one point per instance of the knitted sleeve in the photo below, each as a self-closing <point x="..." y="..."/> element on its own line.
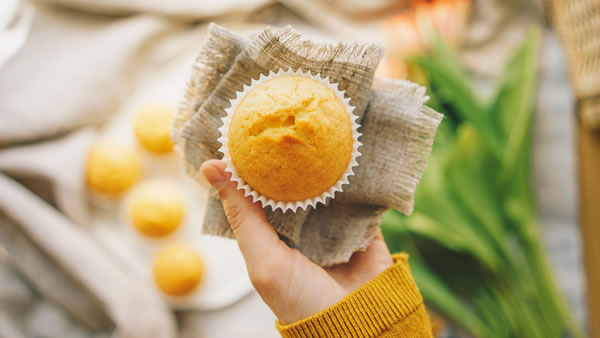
<point x="390" y="305"/>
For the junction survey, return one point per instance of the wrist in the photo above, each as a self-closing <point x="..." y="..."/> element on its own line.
<point x="326" y="300"/>
<point x="385" y="301"/>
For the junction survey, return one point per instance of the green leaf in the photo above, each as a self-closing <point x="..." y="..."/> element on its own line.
<point x="512" y="107"/>
<point x="452" y="87"/>
<point x="471" y="172"/>
<point x="440" y="297"/>
<point x="458" y="238"/>
<point x="476" y="250"/>
<point x="443" y="214"/>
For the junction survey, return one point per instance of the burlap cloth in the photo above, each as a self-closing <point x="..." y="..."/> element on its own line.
<point x="398" y="132"/>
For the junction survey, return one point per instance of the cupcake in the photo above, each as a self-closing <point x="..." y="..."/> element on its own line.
<point x="177" y="269"/>
<point x="111" y="168"/>
<point x="156" y="208"/>
<point x="152" y="124"/>
<point x="290" y="140"/>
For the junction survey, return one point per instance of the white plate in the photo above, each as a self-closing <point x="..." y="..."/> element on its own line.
<point x="226" y="280"/>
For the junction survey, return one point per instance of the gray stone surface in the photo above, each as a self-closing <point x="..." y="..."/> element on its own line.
<point x="555" y="175"/>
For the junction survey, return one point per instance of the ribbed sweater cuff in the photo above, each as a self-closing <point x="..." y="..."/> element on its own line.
<point x="367" y="311"/>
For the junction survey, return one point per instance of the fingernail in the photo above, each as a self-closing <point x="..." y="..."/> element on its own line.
<point x="214" y="176"/>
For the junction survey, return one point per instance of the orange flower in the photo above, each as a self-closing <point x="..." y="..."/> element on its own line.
<point x="448" y="18"/>
<point x="409" y="33"/>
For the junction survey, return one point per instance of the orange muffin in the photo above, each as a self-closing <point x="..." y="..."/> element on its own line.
<point x="152" y="125"/>
<point x="156" y="208"/>
<point x="177" y="269"/>
<point x="111" y="168"/>
<point x="290" y="138"/>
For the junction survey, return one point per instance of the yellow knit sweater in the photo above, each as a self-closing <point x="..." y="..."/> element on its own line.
<point x="390" y="305"/>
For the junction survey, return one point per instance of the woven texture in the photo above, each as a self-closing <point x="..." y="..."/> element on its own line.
<point x="367" y="312"/>
<point x="397" y="129"/>
<point x="578" y="23"/>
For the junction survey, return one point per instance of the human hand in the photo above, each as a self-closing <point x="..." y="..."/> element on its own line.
<point x="289" y="283"/>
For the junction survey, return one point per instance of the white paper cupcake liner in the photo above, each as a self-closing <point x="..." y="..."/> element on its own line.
<point x="304" y="204"/>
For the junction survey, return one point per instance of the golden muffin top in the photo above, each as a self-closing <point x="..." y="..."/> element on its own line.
<point x="156" y="208"/>
<point x="152" y="125"/>
<point x="177" y="269"/>
<point x="111" y="168"/>
<point x="290" y="138"/>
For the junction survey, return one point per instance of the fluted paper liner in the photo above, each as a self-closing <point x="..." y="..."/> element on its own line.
<point x="303" y="204"/>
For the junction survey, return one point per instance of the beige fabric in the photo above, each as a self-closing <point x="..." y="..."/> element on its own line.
<point x="397" y="132"/>
<point x="496" y="28"/>
<point x="135" y="310"/>
<point x="73" y="71"/>
<point x="184" y="9"/>
<point x="60" y="257"/>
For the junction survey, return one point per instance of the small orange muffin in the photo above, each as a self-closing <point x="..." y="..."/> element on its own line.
<point x="177" y="269"/>
<point x="111" y="168"/>
<point x="152" y="125"/>
<point x="290" y="138"/>
<point x="156" y="208"/>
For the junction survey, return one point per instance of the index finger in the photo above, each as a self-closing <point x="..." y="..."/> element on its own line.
<point x="255" y="235"/>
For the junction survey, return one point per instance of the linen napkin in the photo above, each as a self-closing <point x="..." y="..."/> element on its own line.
<point x="397" y="128"/>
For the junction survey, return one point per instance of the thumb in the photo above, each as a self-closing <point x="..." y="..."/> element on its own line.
<point x="255" y="235"/>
